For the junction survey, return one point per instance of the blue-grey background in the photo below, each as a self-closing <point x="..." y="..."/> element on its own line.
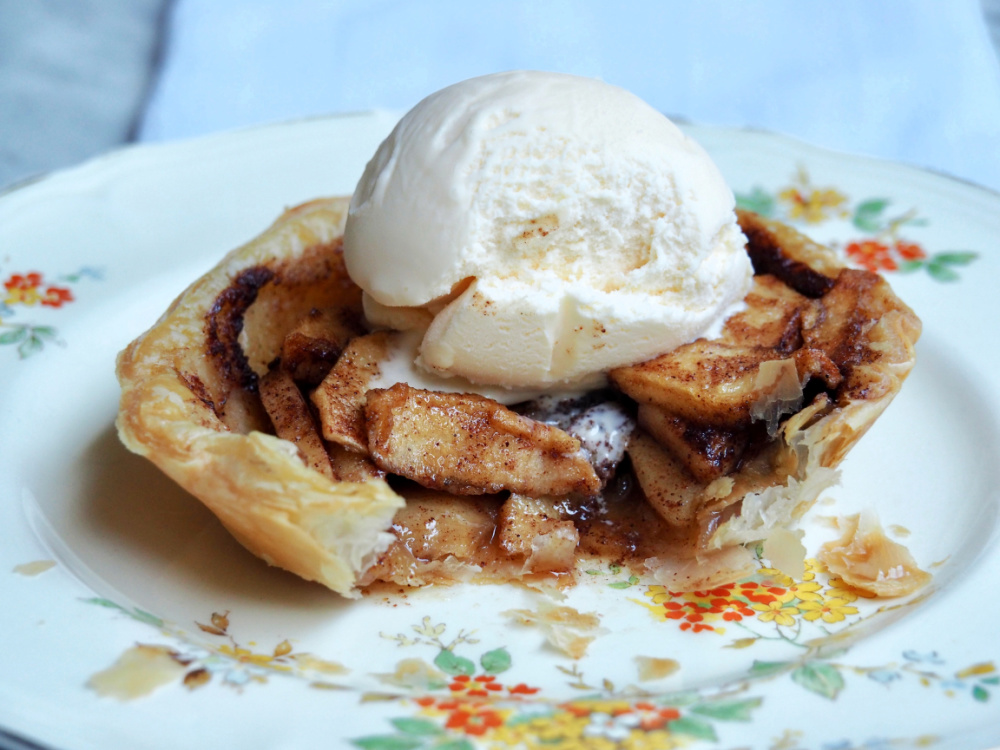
<point x="911" y="80"/>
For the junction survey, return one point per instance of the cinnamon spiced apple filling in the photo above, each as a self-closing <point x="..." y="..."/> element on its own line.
<point x="677" y="463"/>
<point x="264" y="391"/>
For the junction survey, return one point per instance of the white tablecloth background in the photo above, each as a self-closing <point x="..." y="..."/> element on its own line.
<point x="910" y="80"/>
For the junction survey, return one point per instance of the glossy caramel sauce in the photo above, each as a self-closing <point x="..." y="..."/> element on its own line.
<point x="441" y="538"/>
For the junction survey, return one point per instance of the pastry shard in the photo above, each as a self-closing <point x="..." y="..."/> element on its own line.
<point x="189" y="403"/>
<point x="735" y="439"/>
<point x="866" y="559"/>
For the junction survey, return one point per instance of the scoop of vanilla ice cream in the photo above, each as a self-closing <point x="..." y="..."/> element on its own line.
<point x="542" y="229"/>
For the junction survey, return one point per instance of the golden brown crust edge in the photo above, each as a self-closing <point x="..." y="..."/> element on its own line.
<point x="817" y="439"/>
<point x="256" y="484"/>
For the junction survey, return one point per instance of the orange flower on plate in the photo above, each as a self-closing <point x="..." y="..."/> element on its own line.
<point x="732" y="610"/>
<point x="695" y="623"/>
<point x="26" y="289"/>
<point x="23" y="281"/>
<point x="872" y="255"/>
<point x="522" y="689"/>
<point x="478" y="687"/>
<point x="763" y="593"/>
<point x="22" y="289"/>
<point x="56" y="296"/>
<point x="909" y="250"/>
<point x="655" y="717"/>
<point x="474" y="722"/>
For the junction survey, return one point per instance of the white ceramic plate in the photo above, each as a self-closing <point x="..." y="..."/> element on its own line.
<point x="104" y="559"/>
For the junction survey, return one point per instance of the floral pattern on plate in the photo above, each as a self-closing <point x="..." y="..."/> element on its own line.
<point x="228" y="663"/>
<point x="479" y="713"/>
<point x="33" y="290"/>
<point x="456" y="693"/>
<point x="883" y="246"/>
<point x="770" y="597"/>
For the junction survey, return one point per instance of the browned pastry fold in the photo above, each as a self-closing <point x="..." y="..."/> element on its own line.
<point x="189" y="403"/>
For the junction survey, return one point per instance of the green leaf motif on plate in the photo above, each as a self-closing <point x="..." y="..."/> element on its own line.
<point x="420" y="727"/>
<point x="767" y="668"/>
<point x="14" y="336"/>
<point x="941" y="272"/>
<point x="955" y="258"/>
<point x="632" y="581"/>
<point x="727" y="710"/>
<point x="884" y="249"/>
<point x="30" y="346"/>
<point x="820" y="678"/>
<point x="757" y="200"/>
<point x="389" y="742"/>
<point x="495" y="661"/>
<point x="868" y="214"/>
<point x="136" y="613"/>
<point x="44" y="332"/>
<point x="692" y="726"/>
<point x="450" y="663"/>
<point x="460" y="744"/>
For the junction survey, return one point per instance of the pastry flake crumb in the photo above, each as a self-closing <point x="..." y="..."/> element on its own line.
<point x="865" y="558"/>
<point x="414" y="674"/>
<point x="704" y="571"/>
<point x="565" y="628"/>
<point x="654" y="668"/>
<point x="784" y="550"/>
<point x="137" y="672"/>
<point x="34" y="568"/>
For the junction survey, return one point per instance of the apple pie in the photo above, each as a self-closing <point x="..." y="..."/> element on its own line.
<point x="264" y="392"/>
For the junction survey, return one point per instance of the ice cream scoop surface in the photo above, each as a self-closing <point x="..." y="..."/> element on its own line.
<point x="549" y="227"/>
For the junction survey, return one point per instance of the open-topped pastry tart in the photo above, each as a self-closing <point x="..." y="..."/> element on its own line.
<point x="265" y="393"/>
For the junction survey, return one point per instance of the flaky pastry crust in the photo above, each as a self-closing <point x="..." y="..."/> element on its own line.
<point x="183" y="407"/>
<point x="812" y="442"/>
<point x="749" y="505"/>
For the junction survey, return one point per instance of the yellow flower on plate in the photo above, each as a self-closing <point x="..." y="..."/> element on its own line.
<point x="560" y="730"/>
<point x="806" y="591"/>
<point x="846" y="592"/>
<point x="660" y="739"/>
<point x="247" y="656"/>
<point x="831" y="610"/>
<point x="658" y="594"/>
<point x="813" y="206"/>
<point x="783" y="597"/>
<point x="28" y="297"/>
<point x="777" y="612"/>
<point x="813" y="566"/>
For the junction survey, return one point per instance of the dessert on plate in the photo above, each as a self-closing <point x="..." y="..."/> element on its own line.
<point x="537" y="334"/>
